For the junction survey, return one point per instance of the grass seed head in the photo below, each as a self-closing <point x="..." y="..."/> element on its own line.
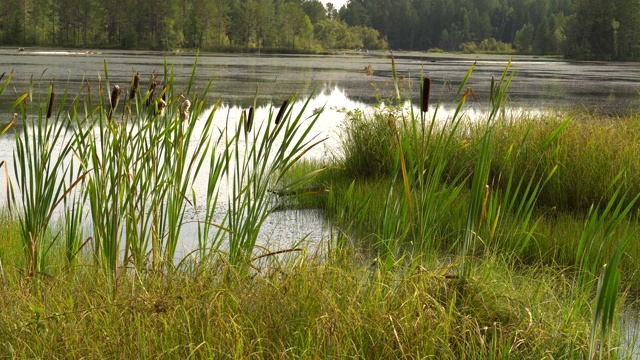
<point x="369" y="70"/>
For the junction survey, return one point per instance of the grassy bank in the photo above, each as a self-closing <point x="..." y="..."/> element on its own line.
<point x="341" y="305"/>
<point x="452" y="239"/>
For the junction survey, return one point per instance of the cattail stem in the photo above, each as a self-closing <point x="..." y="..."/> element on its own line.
<point x="426" y="91"/>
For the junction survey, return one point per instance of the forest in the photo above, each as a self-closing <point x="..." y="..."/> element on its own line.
<point x="580" y="29"/>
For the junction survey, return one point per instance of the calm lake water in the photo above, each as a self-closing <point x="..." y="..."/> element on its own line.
<point x="335" y="82"/>
<point x="539" y="83"/>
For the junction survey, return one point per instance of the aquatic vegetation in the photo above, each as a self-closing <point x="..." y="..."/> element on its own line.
<point x="132" y="168"/>
<point x="408" y="187"/>
<point x="452" y="239"/>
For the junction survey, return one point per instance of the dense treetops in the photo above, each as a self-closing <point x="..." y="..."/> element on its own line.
<point x="166" y="25"/>
<point x="586" y="29"/>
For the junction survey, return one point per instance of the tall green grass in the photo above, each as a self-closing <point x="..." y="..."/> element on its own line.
<point x="521" y="187"/>
<point x="130" y="160"/>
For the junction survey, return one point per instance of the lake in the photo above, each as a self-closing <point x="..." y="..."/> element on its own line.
<point x="539" y="83"/>
<point x="333" y="82"/>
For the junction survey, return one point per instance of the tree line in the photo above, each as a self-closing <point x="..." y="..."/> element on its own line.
<point x="291" y="25"/>
<point x="583" y="29"/>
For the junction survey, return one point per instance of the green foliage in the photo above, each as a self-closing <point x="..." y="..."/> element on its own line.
<point x="331" y="306"/>
<point x="169" y="25"/>
<point x="488" y="46"/>
<point x="586" y="29"/>
<point x="434" y="179"/>
<point x="132" y="166"/>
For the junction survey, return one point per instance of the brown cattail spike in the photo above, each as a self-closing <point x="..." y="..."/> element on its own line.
<point x="161" y="106"/>
<point x="250" y="119"/>
<point x="243" y="116"/>
<point x="52" y="96"/>
<point x="134" y="86"/>
<point x="426" y="91"/>
<point x="115" y="96"/>
<point x="281" y="111"/>
<point x="165" y="89"/>
<point x="152" y="89"/>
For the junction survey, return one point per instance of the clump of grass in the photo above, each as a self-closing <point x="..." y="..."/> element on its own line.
<point x="135" y="177"/>
<point x="505" y="176"/>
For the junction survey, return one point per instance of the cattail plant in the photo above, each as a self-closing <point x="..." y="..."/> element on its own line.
<point x="165" y="89"/>
<point x="134" y="86"/>
<point x="250" y="119"/>
<point x="184" y="110"/>
<point x="243" y="116"/>
<point x="395" y="77"/>
<point x="152" y="89"/>
<point x="160" y="106"/>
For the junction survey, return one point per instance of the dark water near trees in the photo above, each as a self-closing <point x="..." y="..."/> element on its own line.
<point x="538" y="83"/>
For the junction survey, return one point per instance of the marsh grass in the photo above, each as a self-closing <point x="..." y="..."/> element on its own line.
<point x="132" y="164"/>
<point x="554" y="189"/>
<point x="319" y="307"/>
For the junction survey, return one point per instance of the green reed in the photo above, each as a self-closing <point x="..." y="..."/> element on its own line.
<point x="41" y="164"/>
<point x="495" y="177"/>
<point x="131" y="167"/>
<point x="261" y="158"/>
